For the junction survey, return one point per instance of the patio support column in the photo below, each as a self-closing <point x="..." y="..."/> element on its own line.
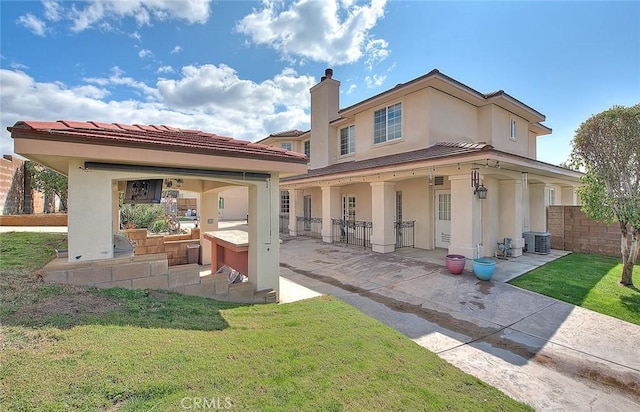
<point x="208" y="219"/>
<point x="90" y="215"/>
<point x="264" y="221"/>
<point x="511" y="213"/>
<point x="538" y="202"/>
<point x="115" y="208"/>
<point x="466" y="218"/>
<point x="296" y="205"/>
<point x="330" y="210"/>
<point x="383" y="199"/>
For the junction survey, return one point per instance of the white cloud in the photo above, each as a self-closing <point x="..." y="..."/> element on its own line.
<point x="351" y="88"/>
<point x="52" y="10"/>
<point x="216" y="88"/>
<point x="375" y="80"/>
<point x="323" y="31"/>
<point x="135" y="35"/>
<point x="165" y="69"/>
<point x="18" y="66"/>
<point x="117" y="78"/>
<point x="176" y="49"/>
<point x="207" y="98"/>
<point x="376" y="51"/>
<point x="144" y="53"/>
<point x="97" y="13"/>
<point x="34" y="24"/>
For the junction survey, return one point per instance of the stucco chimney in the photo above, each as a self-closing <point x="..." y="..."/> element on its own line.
<point x="325" y="103"/>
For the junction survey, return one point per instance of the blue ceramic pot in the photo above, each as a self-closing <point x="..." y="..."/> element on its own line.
<point x="483" y="268"/>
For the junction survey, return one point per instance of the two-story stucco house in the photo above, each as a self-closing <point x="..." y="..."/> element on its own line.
<point x="430" y="163"/>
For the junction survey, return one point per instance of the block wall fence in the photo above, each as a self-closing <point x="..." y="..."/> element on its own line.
<point x="572" y="230"/>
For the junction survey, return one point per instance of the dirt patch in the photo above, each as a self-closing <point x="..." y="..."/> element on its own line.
<point x="82" y="303"/>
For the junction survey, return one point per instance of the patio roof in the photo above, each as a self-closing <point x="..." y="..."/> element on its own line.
<point x="164" y="138"/>
<point x="436" y="151"/>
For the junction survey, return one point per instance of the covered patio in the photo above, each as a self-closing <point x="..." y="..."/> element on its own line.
<point x="101" y="160"/>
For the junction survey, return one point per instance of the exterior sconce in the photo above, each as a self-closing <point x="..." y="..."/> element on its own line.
<point x="481" y="191"/>
<point x="478" y="188"/>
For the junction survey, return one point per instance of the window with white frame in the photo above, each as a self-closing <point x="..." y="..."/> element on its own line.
<point x="347" y="140"/>
<point x="349" y="207"/>
<point x="552" y="196"/>
<point x="307" y="148"/>
<point x="284" y="201"/>
<point x="513" y="131"/>
<point x="387" y="123"/>
<point x="286" y="145"/>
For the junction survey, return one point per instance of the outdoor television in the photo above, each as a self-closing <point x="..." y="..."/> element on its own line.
<point x="143" y="191"/>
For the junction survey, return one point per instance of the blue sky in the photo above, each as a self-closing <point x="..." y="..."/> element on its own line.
<point x="244" y="69"/>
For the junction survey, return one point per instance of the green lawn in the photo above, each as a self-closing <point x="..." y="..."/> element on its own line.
<point x="590" y="281"/>
<point x="67" y="348"/>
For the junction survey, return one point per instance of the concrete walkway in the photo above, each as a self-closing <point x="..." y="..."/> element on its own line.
<point x="546" y="353"/>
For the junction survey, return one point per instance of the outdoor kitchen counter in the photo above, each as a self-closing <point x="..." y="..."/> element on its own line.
<point x="229" y="247"/>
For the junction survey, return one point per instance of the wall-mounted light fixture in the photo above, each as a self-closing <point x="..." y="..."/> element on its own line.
<point x="478" y="188"/>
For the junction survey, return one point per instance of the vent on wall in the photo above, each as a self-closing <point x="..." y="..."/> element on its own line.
<point x="439" y="180"/>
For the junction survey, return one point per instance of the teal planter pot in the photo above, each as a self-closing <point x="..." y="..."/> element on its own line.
<point x="483" y="268"/>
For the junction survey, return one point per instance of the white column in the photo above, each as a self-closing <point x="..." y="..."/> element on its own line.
<point x="538" y="202"/>
<point x="264" y="260"/>
<point x="330" y="210"/>
<point x="208" y="218"/>
<point x="511" y="213"/>
<point x="115" y="207"/>
<point x="90" y="225"/>
<point x="296" y="205"/>
<point x="383" y="201"/>
<point x="466" y="218"/>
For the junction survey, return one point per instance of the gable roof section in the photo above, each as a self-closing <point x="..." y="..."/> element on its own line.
<point x="287" y="134"/>
<point x="438" y="150"/>
<point x="153" y="137"/>
<point x="436" y="78"/>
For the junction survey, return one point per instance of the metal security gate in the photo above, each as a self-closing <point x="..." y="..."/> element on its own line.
<point x="405" y="233"/>
<point x="352" y="232"/>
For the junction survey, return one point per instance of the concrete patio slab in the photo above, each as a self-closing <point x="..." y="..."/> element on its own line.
<point x="549" y="354"/>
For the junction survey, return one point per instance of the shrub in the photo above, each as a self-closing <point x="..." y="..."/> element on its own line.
<point x="140" y="216"/>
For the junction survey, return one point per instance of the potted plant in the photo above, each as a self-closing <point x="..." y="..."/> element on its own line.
<point x="483" y="268"/>
<point x="455" y="263"/>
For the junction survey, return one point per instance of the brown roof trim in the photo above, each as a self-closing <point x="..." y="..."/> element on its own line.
<point x="437" y="73"/>
<point x="437" y="151"/>
<point x="163" y="138"/>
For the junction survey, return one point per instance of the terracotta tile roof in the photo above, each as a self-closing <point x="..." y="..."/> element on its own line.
<point x="289" y="133"/>
<point x="436" y="151"/>
<point x="151" y="137"/>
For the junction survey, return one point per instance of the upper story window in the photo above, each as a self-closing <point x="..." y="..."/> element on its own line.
<point x="347" y="140"/>
<point x="513" y="131"/>
<point x="387" y="123"/>
<point x="307" y="148"/>
<point x="287" y="146"/>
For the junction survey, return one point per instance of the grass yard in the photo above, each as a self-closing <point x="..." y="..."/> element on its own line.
<point x="67" y="348"/>
<point x="590" y="281"/>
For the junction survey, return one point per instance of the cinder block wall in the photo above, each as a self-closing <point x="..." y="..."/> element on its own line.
<point x="57" y="219"/>
<point x="186" y="203"/>
<point x="572" y="230"/>
<point x="175" y="246"/>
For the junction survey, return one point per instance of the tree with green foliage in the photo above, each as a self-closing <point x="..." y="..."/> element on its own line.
<point x="48" y="182"/>
<point x="607" y="146"/>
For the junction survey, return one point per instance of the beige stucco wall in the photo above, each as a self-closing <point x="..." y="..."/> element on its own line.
<point x="501" y="129"/>
<point x="417" y="204"/>
<point x="236" y="203"/>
